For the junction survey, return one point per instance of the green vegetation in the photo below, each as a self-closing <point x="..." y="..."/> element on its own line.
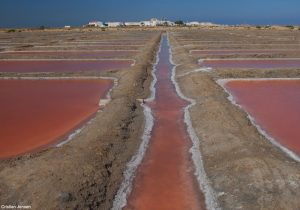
<point x="258" y="27"/>
<point x="179" y="22"/>
<point x="290" y="27"/>
<point x="42" y="28"/>
<point x="11" y="30"/>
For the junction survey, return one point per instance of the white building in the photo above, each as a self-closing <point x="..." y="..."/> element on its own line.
<point x="114" y="24"/>
<point x="133" y="23"/>
<point x="95" y="24"/>
<point x="152" y="22"/>
<point x="207" y="24"/>
<point x="169" y="23"/>
<point x="156" y="22"/>
<point x="193" y="23"/>
<point x="145" y="23"/>
<point x="196" y="23"/>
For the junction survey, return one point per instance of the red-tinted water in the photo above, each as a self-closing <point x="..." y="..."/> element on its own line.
<point x="252" y="64"/>
<point x="275" y="105"/>
<point x="62" y="65"/>
<point x="239" y="52"/>
<point x="78" y="54"/>
<point x="35" y="113"/>
<point x="165" y="179"/>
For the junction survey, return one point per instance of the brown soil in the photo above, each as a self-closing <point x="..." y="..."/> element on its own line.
<point x="245" y="169"/>
<point x="86" y="172"/>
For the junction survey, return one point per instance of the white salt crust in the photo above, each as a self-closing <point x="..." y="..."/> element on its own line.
<point x="107" y="100"/>
<point x="125" y="189"/>
<point x="206" y="69"/>
<point x="203" y="181"/>
<point x="222" y="83"/>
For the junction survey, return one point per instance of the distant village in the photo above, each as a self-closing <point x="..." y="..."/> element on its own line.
<point x="148" y="23"/>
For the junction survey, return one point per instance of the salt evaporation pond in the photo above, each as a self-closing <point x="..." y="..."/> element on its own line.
<point x="38" y="113"/>
<point x="275" y="106"/>
<point x="252" y="63"/>
<point x="62" y="65"/>
<point x="165" y="179"/>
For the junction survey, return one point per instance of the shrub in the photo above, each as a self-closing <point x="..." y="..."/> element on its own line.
<point x="11" y="30"/>
<point x="42" y="27"/>
<point x="179" y="22"/>
<point x="290" y="27"/>
<point x="258" y="27"/>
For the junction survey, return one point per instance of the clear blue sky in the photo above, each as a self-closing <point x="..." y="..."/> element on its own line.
<point x="33" y="13"/>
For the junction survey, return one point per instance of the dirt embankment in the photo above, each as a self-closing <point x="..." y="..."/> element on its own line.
<point x="86" y="172"/>
<point x="245" y="169"/>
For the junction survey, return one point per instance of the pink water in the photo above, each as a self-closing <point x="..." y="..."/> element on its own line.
<point x="275" y="106"/>
<point x="37" y="113"/>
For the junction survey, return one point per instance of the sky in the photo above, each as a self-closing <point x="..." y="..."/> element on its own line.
<point x="51" y="13"/>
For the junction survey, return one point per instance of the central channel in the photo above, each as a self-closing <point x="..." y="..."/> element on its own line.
<point x="165" y="178"/>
